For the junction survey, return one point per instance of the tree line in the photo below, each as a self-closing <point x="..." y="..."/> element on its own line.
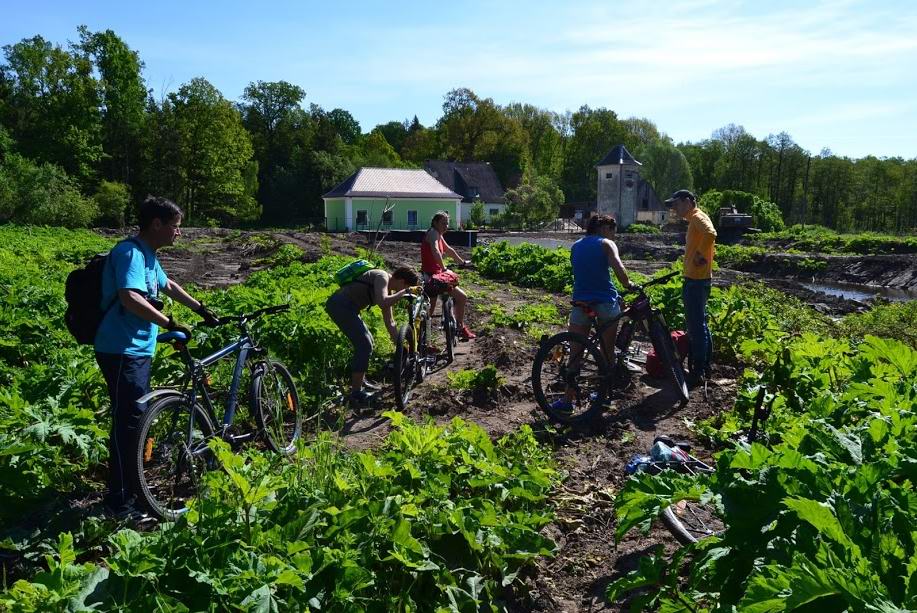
<point x="82" y="140"/>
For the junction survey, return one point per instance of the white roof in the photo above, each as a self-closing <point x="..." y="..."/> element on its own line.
<point x="392" y="183"/>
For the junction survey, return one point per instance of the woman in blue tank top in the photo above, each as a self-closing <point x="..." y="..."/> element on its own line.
<point x="592" y="256"/>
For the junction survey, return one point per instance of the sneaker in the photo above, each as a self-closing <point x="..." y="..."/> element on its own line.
<point x="562" y="406"/>
<point x="127" y="512"/>
<point x="465" y="334"/>
<point x="361" y="399"/>
<point x="372" y="386"/>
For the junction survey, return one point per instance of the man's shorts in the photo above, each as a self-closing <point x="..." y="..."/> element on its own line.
<point x="603" y="310"/>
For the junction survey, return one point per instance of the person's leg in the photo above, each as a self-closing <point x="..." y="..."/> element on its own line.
<point x="128" y="378"/>
<point x="708" y="338"/>
<point x="692" y="295"/>
<point x="580" y="324"/>
<point x="345" y="315"/>
<point x="460" y="299"/>
<point x="605" y="312"/>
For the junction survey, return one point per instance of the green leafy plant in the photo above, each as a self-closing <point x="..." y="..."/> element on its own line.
<point x="487" y="378"/>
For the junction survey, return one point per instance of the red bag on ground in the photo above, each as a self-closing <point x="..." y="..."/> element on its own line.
<point x="441" y="282"/>
<point x="654" y="366"/>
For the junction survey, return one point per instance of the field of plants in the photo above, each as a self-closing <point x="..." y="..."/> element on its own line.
<point x="481" y="508"/>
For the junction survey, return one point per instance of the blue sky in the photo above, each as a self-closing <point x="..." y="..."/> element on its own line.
<point x="838" y="75"/>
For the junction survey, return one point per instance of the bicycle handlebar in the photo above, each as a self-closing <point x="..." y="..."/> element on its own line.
<point x="271" y="310"/>
<point x="658" y="280"/>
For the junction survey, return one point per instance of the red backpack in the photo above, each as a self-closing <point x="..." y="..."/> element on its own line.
<point x="654" y="366"/>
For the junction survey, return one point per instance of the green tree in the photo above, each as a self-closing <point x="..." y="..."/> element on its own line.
<point x="665" y="168"/>
<point x="476" y="217"/>
<point x="205" y="152"/>
<point x="123" y="101"/>
<point x="112" y="200"/>
<point x="51" y="106"/>
<point x="42" y="194"/>
<point x="280" y="129"/>
<point x="545" y="144"/>
<point x="395" y="133"/>
<point x="534" y="202"/>
<point x="474" y="129"/>
<point x="347" y="127"/>
<point x="593" y="133"/>
<point x="373" y="150"/>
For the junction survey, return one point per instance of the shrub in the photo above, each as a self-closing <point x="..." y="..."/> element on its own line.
<point x="641" y="228"/>
<point x="42" y="195"/>
<point x="112" y="199"/>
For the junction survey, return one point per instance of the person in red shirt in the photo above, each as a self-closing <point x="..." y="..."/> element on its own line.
<point x="432" y="250"/>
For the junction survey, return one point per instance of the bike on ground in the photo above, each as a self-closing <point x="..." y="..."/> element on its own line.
<point x="582" y="370"/>
<point x="172" y="451"/>
<point x="689" y="520"/>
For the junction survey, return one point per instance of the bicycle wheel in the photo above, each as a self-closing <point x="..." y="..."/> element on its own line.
<point x="450" y="329"/>
<point x="665" y="349"/>
<point x="690" y="521"/>
<point x="406" y="366"/>
<point x="555" y="380"/>
<point x="275" y="403"/>
<point x="169" y="464"/>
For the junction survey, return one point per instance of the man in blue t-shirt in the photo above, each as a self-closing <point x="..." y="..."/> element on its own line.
<point x="126" y="340"/>
<point x="591" y="258"/>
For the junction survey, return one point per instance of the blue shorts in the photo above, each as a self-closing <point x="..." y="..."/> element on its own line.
<point x="603" y="310"/>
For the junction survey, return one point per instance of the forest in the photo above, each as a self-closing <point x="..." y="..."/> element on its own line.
<point x="83" y="139"/>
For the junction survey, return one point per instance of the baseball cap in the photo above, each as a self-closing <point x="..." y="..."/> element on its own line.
<point x="682" y="193"/>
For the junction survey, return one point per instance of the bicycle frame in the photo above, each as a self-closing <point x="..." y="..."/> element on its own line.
<point x="639" y="311"/>
<point x="195" y="377"/>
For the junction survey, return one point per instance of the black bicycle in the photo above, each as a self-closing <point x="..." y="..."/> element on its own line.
<point x="172" y="451"/>
<point x="569" y="366"/>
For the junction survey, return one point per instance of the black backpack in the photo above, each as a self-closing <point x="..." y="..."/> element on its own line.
<point x="83" y="293"/>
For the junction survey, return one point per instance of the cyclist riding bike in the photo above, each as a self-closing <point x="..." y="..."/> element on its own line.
<point x="373" y="287"/>
<point x="593" y="291"/>
<point x="432" y="250"/>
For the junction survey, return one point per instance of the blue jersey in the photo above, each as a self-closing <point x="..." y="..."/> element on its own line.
<point x="129" y="267"/>
<point x="591" y="276"/>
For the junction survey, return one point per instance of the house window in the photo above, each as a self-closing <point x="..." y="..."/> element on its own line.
<point x="609" y="175"/>
<point x="646" y="203"/>
<point x="412" y="218"/>
<point x="387" y="218"/>
<point x="494" y="212"/>
<point x="362" y="218"/>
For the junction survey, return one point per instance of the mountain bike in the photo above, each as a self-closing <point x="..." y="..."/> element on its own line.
<point x="172" y="451"/>
<point x="569" y="362"/>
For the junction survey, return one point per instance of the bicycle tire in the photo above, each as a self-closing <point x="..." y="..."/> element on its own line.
<point x="279" y="400"/>
<point x="406" y="367"/>
<point x="550" y="378"/>
<point x="167" y="477"/>
<point x="665" y="349"/>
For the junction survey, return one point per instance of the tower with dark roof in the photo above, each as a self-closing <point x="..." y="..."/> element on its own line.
<point x="619" y="178"/>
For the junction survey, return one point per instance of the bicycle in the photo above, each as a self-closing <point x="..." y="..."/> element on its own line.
<point x="689" y="521"/>
<point x="593" y="373"/>
<point x="172" y="451"/>
<point x="411" y="362"/>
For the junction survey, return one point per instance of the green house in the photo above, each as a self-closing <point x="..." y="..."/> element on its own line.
<point x="413" y="197"/>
